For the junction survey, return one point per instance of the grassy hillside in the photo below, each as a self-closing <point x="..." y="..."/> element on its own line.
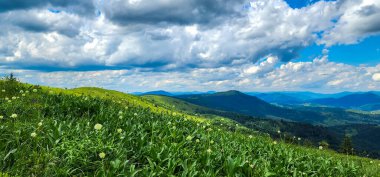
<point x="365" y="137"/>
<point x="96" y="132"/>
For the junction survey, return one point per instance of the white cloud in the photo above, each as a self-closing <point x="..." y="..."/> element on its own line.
<point x="376" y="77"/>
<point x="359" y="19"/>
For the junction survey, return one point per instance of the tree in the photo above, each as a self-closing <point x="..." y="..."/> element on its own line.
<point x="346" y="146"/>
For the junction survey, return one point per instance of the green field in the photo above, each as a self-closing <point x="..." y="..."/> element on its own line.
<point x="94" y="132"/>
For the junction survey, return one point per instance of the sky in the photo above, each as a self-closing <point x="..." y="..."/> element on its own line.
<point x="193" y="45"/>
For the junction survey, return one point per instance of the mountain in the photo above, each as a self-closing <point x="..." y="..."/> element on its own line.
<point x="235" y="101"/>
<point x="350" y="101"/>
<point x="294" y="97"/>
<point x="165" y="93"/>
<point x="158" y="92"/>
<point x="278" y="98"/>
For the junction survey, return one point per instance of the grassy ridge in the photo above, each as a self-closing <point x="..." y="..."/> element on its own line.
<point x="94" y="132"/>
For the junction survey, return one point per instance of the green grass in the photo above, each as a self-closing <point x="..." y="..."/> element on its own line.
<point x="154" y="141"/>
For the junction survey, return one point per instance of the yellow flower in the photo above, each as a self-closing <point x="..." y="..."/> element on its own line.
<point x="14" y="116"/>
<point x="98" y="126"/>
<point x="119" y="130"/>
<point x="189" y="138"/>
<point x="33" y="135"/>
<point x="102" y="155"/>
<point x="274" y="142"/>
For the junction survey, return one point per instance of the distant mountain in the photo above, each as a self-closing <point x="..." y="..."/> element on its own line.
<point x="350" y="101"/>
<point x="158" y="92"/>
<point x="235" y="101"/>
<point x="279" y="98"/>
<point x="165" y="93"/>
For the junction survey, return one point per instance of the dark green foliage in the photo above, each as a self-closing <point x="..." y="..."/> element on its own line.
<point x="346" y="146"/>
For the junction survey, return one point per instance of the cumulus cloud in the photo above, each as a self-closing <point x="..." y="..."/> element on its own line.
<point x="157" y="35"/>
<point x="376" y="77"/>
<point x="177" y="44"/>
<point x="319" y="75"/>
<point x="359" y="19"/>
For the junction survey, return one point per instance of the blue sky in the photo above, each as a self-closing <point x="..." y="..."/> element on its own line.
<point x="184" y="45"/>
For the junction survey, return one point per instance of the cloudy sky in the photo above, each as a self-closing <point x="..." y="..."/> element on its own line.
<point x="186" y="45"/>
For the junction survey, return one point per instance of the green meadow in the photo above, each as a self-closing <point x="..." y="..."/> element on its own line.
<point x="95" y="132"/>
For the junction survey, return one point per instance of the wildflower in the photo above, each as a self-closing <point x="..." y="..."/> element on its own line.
<point x="14" y="116"/>
<point x="219" y="129"/>
<point x="120" y="117"/>
<point x="209" y="150"/>
<point x="237" y="125"/>
<point x="102" y="155"/>
<point x="9" y="101"/>
<point x="278" y="131"/>
<point x="250" y="136"/>
<point x="274" y="142"/>
<point x="33" y="135"/>
<point x="251" y="166"/>
<point x="120" y="112"/>
<point x="174" y="114"/>
<point x="320" y="147"/>
<point x="208" y="124"/>
<point x="13" y="98"/>
<point x="371" y="161"/>
<point x="189" y="138"/>
<point x="212" y="142"/>
<point x="35" y="90"/>
<point x="6" y="98"/>
<point x="169" y="123"/>
<point x="27" y="91"/>
<point x="3" y="90"/>
<point x="23" y="94"/>
<point x="98" y="126"/>
<point x="197" y="140"/>
<point x="135" y="114"/>
<point x="119" y="130"/>
<point x="1" y="117"/>
<point x="126" y="107"/>
<point x="174" y="127"/>
<point x="40" y="124"/>
<point x="299" y="139"/>
<point x="21" y="91"/>
<point x="209" y="129"/>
